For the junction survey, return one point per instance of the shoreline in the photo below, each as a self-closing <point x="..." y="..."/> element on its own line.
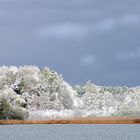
<point x="87" y="120"/>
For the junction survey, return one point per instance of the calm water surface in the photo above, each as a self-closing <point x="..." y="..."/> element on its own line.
<point x="70" y="132"/>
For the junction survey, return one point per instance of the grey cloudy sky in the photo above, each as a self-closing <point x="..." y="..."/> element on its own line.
<point x="97" y="40"/>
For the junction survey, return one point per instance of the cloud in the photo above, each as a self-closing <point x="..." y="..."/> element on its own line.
<point x="79" y="30"/>
<point x="129" y="55"/>
<point x="130" y="19"/>
<point x="107" y="24"/>
<point x="88" y="60"/>
<point x="75" y="30"/>
<point x="62" y="31"/>
<point x="112" y="23"/>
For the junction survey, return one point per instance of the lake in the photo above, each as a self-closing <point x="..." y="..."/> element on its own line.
<point x="69" y="132"/>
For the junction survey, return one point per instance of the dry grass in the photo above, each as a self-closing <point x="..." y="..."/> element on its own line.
<point x="90" y="120"/>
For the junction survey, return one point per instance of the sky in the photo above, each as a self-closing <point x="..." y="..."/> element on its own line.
<point x="97" y="40"/>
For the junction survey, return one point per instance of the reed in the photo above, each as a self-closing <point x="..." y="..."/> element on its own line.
<point x="88" y="120"/>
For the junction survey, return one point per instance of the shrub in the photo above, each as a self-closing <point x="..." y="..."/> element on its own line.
<point x="7" y="111"/>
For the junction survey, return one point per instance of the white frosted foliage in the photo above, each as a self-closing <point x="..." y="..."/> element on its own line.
<point x="33" y="93"/>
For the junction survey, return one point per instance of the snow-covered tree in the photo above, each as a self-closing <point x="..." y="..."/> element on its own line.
<point x="27" y="89"/>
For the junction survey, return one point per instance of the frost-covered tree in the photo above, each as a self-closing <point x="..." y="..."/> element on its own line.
<point x="29" y="89"/>
<point x="12" y="106"/>
<point x="109" y="100"/>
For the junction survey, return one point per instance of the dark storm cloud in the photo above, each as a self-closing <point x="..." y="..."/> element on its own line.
<point x="83" y="39"/>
